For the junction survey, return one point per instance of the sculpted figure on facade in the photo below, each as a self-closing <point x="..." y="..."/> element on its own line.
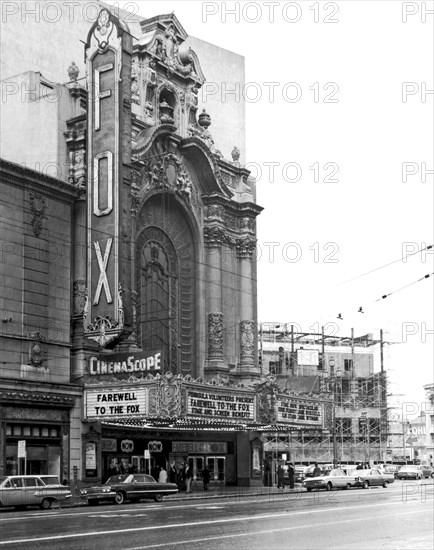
<point x="215" y="335"/>
<point x="247" y="328"/>
<point x="37" y="207"/>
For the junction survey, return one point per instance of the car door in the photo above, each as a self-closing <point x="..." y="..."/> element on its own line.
<point x="375" y="478"/>
<point x="9" y="492"/>
<point x="30" y="496"/>
<point x="135" y="486"/>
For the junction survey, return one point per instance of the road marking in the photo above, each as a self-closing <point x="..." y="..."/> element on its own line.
<point x="191" y="524"/>
<point x="264" y="532"/>
<point x="325" y="496"/>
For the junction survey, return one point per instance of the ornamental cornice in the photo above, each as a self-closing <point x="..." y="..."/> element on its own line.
<point x="19" y="176"/>
<point x="36" y="398"/>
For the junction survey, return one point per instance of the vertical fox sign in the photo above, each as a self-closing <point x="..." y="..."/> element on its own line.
<point x="108" y="63"/>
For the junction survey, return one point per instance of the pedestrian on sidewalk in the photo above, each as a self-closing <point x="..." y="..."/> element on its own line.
<point x="316" y="471"/>
<point x="162" y="477"/>
<point x="280" y="477"/>
<point x="291" y="476"/>
<point x="172" y="474"/>
<point x="206" y="475"/>
<point x="188" y="475"/>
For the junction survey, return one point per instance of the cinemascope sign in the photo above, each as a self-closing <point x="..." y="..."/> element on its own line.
<point x="120" y="363"/>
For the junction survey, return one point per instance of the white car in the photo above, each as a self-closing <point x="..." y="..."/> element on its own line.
<point x="27" y="490"/>
<point x="330" y="479"/>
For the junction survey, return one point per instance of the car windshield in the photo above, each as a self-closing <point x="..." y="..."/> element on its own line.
<point x="2" y="478"/>
<point x="117" y="479"/>
<point x="407" y="468"/>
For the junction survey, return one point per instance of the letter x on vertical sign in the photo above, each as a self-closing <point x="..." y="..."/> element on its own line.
<point x="103" y="282"/>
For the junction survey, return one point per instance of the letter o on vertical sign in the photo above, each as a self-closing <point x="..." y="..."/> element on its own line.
<point x="106" y="185"/>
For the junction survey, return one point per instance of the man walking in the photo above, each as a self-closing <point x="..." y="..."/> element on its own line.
<point x="291" y="475"/>
<point x="206" y="474"/>
<point x="280" y="477"/>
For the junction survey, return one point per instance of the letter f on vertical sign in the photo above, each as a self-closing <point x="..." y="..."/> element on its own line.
<point x="103" y="282"/>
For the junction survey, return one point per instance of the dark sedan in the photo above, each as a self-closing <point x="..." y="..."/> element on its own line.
<point x="132" y="487"/>
<point x="372" y="478"/>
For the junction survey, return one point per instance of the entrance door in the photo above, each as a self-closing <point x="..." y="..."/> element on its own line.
<point x="198" y="464"/>
<point x="217" y="467"/>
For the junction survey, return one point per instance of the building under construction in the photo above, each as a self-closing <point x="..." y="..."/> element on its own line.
<point x="347" y="369"/>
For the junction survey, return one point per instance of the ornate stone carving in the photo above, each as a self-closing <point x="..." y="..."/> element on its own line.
<point x="36" y="356"/>
<point x="247" y="224"/>
<point x="230" y="221"/>
<point x="135" y="80"/>
<point x="247" y="329"/>
<point x="214" y="236"/>
<point x="167" y="399"/>
<point x="121" y="314"/>
<point x="235" y="154"/>
<point x="73" y="71"/>
<point x="79" y="296"/>
<point x="216" y="211"/>
<point x="215" y="335"/>
<point x="134" y="299"/>
<point x="246" y="247"/>
<point x="103" y="330"/>
<point x="170" y="173"/>
<point x="24" y="413"/>
<point x="267" y="400"/>
<point x="37" y="207"/>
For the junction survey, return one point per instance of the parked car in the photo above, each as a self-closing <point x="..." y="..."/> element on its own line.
<point x="428" y="471"/>
<point x="23" y="491"/>
<point x="302" y="472"/>
<point x="330" y="479"/>
<point x="372" y="477"/>
<point x="392" y="469"/>
<point x="410" y="471"/>
<point x="132" y="487"/>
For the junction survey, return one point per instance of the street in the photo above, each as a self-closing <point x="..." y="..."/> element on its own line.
<point x="400" y="516"/>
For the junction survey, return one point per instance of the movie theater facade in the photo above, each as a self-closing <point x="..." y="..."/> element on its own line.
<point x="142" y="420"/>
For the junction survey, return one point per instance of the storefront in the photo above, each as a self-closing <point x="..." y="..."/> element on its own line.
<point x="34" y="433"/>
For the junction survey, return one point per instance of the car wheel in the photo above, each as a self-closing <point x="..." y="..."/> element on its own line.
<point x="120" y="497"/>
<point x="329" y="486"/>
<point x="309" y="489"/>
<point x="432" y="475"/>
<point x="46" y="504"/>
<point x="385" y="484"/>
<point x="158" y="497"/>
<point x="348" y="486"/>
<point x="365" y="484"/>
<point x="93" y="502"/>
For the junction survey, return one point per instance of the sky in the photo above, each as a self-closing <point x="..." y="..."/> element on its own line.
<point x="342" y="152"/>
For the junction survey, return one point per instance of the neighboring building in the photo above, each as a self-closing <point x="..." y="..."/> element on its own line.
<point x="343" y="369"/>
<point x="129" y="299"/>
<point x="427" y="454"/>
<point x="40" y="414"/>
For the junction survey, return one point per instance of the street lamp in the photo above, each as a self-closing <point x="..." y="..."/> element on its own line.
<point x="334" y="380"/>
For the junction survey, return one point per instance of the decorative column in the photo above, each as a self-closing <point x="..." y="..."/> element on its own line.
<point x="245" y="250"/>
<point x="214" y="237"/>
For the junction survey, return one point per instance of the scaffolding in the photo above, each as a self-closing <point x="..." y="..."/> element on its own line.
<point x="357" y="427"/>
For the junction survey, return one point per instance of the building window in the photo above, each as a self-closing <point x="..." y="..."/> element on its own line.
<point x="348" y="365"/>
<point x="275" y="367"/>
